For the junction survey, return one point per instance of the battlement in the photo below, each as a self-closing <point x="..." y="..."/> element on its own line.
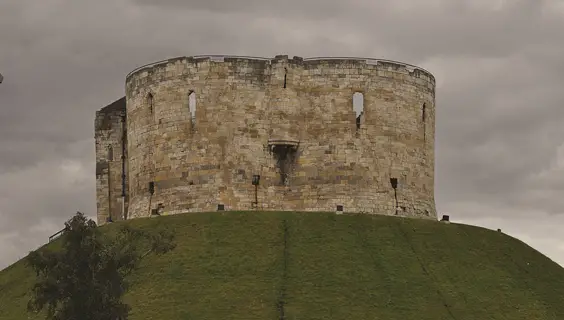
<point x="389" y="65"/>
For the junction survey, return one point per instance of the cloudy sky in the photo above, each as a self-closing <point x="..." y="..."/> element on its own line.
<point x="500" y="93"/>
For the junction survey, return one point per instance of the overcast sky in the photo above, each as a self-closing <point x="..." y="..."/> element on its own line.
<point x="500" y="93"/>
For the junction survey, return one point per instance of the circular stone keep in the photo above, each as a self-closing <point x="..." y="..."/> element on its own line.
<point x="320" y="132"/>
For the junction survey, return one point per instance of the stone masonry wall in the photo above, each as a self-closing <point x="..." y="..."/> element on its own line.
<point x="109" y="137"/>
<point x="250" y="110"/>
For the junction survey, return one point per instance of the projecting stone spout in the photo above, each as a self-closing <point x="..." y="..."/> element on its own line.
<point x="283" y="143"/>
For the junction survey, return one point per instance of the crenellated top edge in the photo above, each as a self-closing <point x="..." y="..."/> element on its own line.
<point x="221" y="58"/>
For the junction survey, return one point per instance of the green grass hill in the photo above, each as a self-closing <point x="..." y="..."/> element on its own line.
<point x="255" y="265"/>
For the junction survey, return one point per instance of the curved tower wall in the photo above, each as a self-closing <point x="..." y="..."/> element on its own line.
<point x="292" y="122"/>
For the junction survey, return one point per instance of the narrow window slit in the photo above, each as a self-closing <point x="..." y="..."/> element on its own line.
<point x="192" y="107"/>
<point x="285" y="75"/>
<point x="423" y="119"/>
<point x="358" y="108"/>
<point x="150" y="102"/>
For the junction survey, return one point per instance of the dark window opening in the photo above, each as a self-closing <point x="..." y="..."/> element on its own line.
<point x="110" y="153"/>
<point x="256" y="179"/>
<point x="285" y="75"/>
<point x="394" y="183"/>
<point x="192" y="107"/>
<point x="423" y="113"/>
<point x="285" y="156"/>
<point x="150" y="102"/>
<point x="158" y="210"/>
<point x="358" y="107"/>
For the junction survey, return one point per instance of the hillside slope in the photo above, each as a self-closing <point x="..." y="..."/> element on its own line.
<point x="255" y="265"/>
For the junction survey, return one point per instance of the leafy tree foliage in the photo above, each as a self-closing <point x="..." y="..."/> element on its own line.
<point x="85" y="279"/>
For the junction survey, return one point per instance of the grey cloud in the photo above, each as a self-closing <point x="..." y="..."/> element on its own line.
<point x="305" y="9"/>
<point x="419" y="29"/>
<point x="51" y="189"/>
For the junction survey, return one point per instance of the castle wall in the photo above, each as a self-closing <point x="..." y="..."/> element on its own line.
<point x="111" y="145"/>
<point x="245" y="107"/>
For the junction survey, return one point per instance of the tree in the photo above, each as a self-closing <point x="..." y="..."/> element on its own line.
<point x="86" y="278"/>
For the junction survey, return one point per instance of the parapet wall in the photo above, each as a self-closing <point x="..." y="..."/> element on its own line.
<point x="292" y="122"/>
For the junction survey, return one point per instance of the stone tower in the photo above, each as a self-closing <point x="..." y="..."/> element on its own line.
<point x="204" y="133"/>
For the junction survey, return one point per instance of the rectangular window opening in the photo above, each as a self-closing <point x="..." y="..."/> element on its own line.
<point x="192" y="107"/>
<point x="358" y="108"/>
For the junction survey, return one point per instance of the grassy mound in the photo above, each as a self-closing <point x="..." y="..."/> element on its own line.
<point x="259" y="265"/>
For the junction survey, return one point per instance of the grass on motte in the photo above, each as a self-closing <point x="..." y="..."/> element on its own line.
<point x="245" y="265"/>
